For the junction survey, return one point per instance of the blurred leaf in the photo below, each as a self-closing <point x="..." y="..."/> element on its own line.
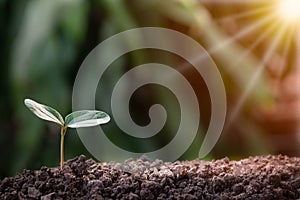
<point x="74" y="20"/>
<point x="122" y="17"/>
<point x="120" y="14"/>
<point x="175" y="10"/>
<point x="39" y="22"/>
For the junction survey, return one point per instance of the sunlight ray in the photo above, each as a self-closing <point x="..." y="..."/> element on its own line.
<point x="252" y="46"/>
<point x="249" y="29"/>
<point x="243" y="14"/>
<point x="218" y="47"/>
<point x="225" y="43"/>
<point x="298" y="70"/>
<point x="235" y="1"/>
<point x="286" y="50"/>
<point x="253" y="79"/>
<point x="297" y="57"/>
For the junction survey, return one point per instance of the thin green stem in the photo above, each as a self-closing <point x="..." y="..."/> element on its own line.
<point x="62" y="136"/>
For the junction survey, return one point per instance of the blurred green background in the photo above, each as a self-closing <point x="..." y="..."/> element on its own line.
<point x="43" y="44"/>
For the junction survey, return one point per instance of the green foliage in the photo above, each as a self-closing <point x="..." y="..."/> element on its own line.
<point x="77" y="119"/>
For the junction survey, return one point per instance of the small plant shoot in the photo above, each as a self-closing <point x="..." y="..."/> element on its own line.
<point x="77" y="119"/>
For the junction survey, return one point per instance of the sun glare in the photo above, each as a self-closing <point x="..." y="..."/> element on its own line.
<point x="289" y="10"/>
<point x="276" y="24"/>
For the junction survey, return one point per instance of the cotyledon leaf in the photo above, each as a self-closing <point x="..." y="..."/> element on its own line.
<point x="44" y="112"/>
<point x="86" y="118"/>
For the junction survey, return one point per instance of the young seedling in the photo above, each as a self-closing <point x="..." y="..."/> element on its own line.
<point x="77" y="119"/>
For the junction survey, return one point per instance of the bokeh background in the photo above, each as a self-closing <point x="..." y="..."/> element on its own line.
<point x="43" y="44"/>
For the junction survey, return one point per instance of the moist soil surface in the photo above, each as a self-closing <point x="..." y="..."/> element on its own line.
<point x="264" y="177"/>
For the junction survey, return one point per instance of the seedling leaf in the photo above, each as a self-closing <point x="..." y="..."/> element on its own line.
<point x="83" y="118"/>
<point x="86" y="118"/>
<point x="44" y="112"/>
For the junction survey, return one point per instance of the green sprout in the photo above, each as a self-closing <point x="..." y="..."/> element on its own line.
<point x="77" y="119"/>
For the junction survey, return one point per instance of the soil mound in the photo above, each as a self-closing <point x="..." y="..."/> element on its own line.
<point x="263" y="177"/>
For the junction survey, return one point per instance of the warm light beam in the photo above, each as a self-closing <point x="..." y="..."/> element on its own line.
<point x="254" y="78"/>
<point x="244" y="14"/>
<point x="289" y="10"/>
<point x="249" y="50"/>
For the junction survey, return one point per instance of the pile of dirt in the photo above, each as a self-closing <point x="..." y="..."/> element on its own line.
<point x="265" y="177"/>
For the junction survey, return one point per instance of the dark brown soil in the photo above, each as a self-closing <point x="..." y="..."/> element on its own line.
<point x="268" y="177"/>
